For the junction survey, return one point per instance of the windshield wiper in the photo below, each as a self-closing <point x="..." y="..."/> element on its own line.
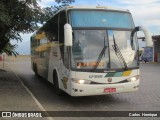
<point x="100" y="55"/>
<point x="119" y="54"/>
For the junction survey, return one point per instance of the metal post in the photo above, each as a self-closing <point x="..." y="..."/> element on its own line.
<point x="3" y="59"/>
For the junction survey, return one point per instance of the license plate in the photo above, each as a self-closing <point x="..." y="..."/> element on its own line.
<point x="109" y="90"/>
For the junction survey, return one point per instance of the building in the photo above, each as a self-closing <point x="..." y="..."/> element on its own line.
<point x="156" y="48"/>
<point x="152" y="53"/>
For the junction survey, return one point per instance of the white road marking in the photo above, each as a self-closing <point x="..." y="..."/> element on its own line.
<point x="34" y="98"/>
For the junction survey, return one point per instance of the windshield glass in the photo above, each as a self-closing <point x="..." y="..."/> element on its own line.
<point x="87" y="46"/>
<point x="88" y="49"/>
<point x="95" y="18"/>
<point x="127" y="49"/>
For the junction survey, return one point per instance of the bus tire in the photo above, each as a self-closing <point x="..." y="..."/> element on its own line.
<point x="58" y="91"/>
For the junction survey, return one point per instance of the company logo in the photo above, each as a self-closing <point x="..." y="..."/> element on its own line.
<point x="109" y="79"/>
<point x="21" y="114"/>
<point x="6" y="114"/>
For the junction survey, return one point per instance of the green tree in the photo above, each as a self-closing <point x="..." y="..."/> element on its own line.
<point x="22" y="16"/>
<point x="50" y="11"/>
<point x="17" y="16"/>
<point x="63" y="3"/>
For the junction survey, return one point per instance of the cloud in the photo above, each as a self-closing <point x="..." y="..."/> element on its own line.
<point x="101" y="2"/>
<point x="81" y="3"/>
<point x="146" y="12"/>
<point x="137" y="2"/>
<point x="45" y="3"/>
<point x="24" y="46"/>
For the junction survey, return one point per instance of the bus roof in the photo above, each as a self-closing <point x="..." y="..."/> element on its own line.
<point x="66" y="8"/>
<point x="93" y="7"/>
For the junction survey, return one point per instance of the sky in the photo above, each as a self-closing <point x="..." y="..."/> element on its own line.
<point x="145" y="13"/>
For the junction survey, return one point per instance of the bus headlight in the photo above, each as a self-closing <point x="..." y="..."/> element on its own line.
<point x="133" y="79"/>
<point x="81" y="81"/>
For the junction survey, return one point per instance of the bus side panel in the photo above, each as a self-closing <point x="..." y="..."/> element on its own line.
<point x="56" y="63"/>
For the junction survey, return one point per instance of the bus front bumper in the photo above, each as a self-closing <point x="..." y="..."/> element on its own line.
<point x="103" y="89"/>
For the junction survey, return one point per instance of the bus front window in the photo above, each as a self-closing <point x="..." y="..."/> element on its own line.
<point x="102" y="40"/>
<point x="127" y="49"/>
<point x="87" y="46"/>
<point x="88" y="49"/>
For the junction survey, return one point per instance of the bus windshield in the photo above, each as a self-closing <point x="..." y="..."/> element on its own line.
<point x="110" y="19"/>
<point x="96" y="48"/>
<point x="102" y="40"/>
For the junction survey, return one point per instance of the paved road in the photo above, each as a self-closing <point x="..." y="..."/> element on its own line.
<point x="145" y="99"/>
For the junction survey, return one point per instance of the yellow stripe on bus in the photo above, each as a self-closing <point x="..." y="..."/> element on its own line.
<point x="127" y="73"/>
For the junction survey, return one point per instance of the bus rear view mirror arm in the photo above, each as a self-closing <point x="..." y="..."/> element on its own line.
<point x="148" y="37"/>
<point x="67" y="35"/>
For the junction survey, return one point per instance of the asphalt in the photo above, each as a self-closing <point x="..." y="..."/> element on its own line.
<point x="14" y="96"/>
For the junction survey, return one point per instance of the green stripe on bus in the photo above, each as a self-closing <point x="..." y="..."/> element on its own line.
<point x="118" y="74"/>
<point x="110" y="74"/>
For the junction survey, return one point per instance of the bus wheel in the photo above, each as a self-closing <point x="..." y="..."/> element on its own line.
<point x="56" y="84"/>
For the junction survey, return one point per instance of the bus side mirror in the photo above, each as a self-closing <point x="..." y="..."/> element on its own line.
<point x="148" y="37"/>
<point x="68" y="35"/>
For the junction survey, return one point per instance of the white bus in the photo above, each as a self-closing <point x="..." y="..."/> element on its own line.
<point x="88" y="51"/>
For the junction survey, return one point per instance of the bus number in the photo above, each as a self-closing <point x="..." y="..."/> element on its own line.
<point x="95" y="76"/>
